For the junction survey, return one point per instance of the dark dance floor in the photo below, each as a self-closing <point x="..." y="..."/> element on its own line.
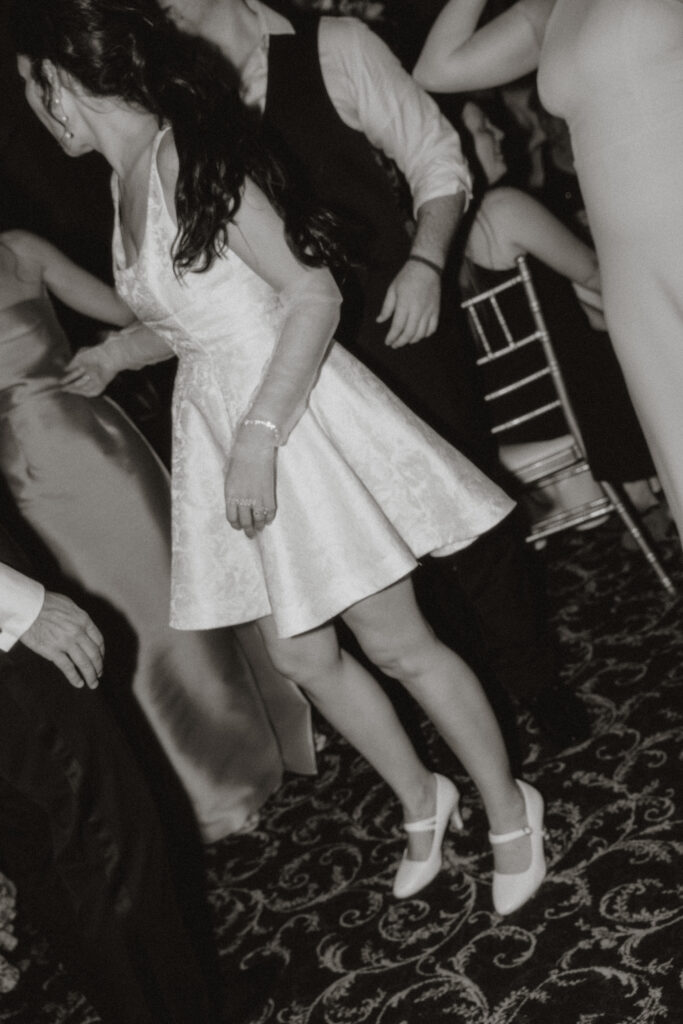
<point x="304" y="901"/>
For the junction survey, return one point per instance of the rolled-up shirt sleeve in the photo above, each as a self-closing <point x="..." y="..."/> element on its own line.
<point x="374" y="94"/>
<point x="21" y="599"/>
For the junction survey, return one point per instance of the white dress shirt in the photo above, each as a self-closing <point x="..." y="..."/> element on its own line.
<point x="21" y="599"/>
<point x="372" y="93"/>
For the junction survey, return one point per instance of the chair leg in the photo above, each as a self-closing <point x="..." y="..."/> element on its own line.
<point x="620" y="503"/>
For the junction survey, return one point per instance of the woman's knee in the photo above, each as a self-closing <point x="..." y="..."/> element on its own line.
<point x="402" y="655"/>
<point x="312" y="666"/>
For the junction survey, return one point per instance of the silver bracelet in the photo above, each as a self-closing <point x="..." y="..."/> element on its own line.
<point x="268" y="424"/>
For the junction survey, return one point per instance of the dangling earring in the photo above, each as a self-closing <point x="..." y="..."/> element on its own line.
<point x="62" y="118"/>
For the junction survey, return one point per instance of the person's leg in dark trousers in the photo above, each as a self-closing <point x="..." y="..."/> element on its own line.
<point x="504" y="586"/>
<point x="80" y="837"/>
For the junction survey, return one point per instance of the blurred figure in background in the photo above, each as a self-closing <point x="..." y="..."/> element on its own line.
<point x="79" y="834"/>
<point x="93" y="492"/>
<point x="613" y="69"/>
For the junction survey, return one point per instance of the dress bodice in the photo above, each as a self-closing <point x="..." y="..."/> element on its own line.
<point x="223" y="323"/>
<point x="33" y="352"/>
<point x="611" y="69"/>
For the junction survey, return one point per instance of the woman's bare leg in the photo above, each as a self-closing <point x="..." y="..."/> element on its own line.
<point x="393" y="633"/>
<point x="353" y="701"/>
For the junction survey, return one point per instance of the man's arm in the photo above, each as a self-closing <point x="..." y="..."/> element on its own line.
<point x="50" y="625"/>
<point x="414" y="296"/>
<point x="374" y="94"/>
<point x="21" y="599"/>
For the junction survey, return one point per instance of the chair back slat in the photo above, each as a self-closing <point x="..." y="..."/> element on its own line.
<point x="479" y="332"/>
<point x="502" y="322"/>
<point x="525" y="417"/>
<point x="502" y="352"/>
<point x="510" y="389"/>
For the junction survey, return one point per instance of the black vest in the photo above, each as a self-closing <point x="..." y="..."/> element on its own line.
<point x="325" y="157"/>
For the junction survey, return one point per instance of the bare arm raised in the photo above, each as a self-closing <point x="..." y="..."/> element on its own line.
<point x="458" y="57"/>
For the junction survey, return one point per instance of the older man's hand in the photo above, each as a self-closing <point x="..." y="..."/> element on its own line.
<point x="67" y="636"/>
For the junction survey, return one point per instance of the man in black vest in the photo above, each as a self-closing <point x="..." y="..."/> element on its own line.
<point x="333" y="96"/>
<point x="79" y="834"/>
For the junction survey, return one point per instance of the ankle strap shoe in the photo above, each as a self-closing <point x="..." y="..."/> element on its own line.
<point x="510" y="892"/>
<point x="413" y="875"/>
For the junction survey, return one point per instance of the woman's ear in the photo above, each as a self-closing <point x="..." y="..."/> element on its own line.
<point x="53" y="79"/>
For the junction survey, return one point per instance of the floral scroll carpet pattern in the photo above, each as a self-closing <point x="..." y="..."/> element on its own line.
<point x="306" y="897"/>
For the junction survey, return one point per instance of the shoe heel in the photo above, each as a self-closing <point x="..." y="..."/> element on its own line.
<point x="413" y="875"/>
<point x="456" y="822"/>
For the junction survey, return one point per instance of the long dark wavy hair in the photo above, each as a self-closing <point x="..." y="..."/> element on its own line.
<point x="131" y="50"/>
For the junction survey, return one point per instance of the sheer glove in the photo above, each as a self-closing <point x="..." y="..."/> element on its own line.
<point x="92" y="369"/>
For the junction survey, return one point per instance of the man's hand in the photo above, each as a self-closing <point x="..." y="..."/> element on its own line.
<point x="412" y="300"/>
<point x="68" y="637"/>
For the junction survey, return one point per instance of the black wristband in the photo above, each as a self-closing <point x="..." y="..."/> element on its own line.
<point x="428" y="263"/>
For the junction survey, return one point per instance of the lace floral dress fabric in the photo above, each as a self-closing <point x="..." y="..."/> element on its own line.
<point x="364" y="488"/>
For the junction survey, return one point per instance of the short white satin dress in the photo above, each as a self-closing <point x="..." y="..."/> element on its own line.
<point x="364" y="488"/>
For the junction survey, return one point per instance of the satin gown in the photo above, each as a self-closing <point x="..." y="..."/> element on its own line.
<point x="614" y="70"/>
<point x="95" y="494"/>
<point x="364" y="488"/>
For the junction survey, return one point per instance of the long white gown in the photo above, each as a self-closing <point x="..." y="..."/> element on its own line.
<point x="364" y="488"/>
<point x="614" y="70"/>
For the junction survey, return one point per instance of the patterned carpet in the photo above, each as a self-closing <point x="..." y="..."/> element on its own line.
<point x="305" y="898"/>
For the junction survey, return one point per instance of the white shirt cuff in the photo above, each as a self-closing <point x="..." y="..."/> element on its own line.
<point x="21" y="599"/>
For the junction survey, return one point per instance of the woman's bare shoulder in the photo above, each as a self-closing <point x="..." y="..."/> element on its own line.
<point x="27" y="251"/>
<point x="506" y="200"/>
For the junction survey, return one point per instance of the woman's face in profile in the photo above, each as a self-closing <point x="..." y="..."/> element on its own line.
<point x="487" y="142"/>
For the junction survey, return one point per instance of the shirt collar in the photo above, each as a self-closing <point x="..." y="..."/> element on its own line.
<point x="270" y="22"/>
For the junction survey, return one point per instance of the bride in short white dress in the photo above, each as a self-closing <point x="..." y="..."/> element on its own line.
<point x="358" y="456"/>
